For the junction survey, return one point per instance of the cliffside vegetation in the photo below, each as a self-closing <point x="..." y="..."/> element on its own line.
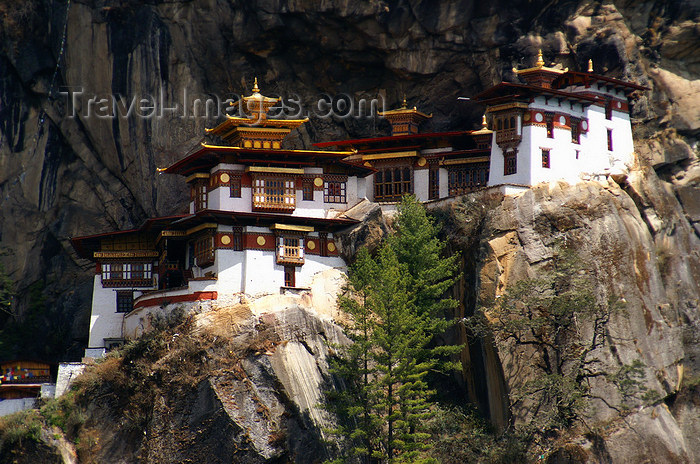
<point x="397" y="307"/>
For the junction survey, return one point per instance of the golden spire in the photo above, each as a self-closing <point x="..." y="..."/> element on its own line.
<point x="540" y="62"/>
<point x="590" y="65"/>
<point x="255" y="86"/>
<point x="484" y="124"/>
<point x="403" y="105"/>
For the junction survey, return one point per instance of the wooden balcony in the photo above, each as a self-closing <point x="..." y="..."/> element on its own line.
<point x="507" y="136"/>
<point x="291" y="252"/>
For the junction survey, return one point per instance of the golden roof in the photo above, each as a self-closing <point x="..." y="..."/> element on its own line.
<point x="539" y="66"/>
<point x="257" y="105"/>
<point x="484" y="127"/>
<point x="404" y="110"/>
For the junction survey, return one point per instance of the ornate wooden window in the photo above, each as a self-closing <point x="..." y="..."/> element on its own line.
<point x="274" y="193"/>
<point x="323" y="243"/>
<point x="545" y="158"/>
<point x="238" y="238"/>
<point x="575" y="130"/>
<point x="125" y="301"/>
<point x="507" y="129"/>
<point x="610" y="140"/>
<point x="334" y="192"/>
<point x="307" y="190"/>
<point x="608" y="109"/>
<point x="549" y="119"/>
<point x="235" y="187"/>
<point x="290" y="250"/>
<point x="199" y="194"/>
<point x="510" y="163"/>
<point x="434" y="183"/>
<point x="391" y="184"/>
<point x="204" y="250"/>
<point x="290" y="276"/>
<point x="465" y="178"/>
<point x="127" y="274"/>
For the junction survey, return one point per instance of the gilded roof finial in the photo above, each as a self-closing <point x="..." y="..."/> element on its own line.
<point x="590" y="65"/>
<point x="484" y="124"/>
<point x="255" y="86"/>
<point x="540" y="62"/>
<point x="403" y="105"/>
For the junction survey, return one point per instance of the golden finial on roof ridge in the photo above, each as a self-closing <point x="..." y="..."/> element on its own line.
<point x="540" y="62"/>
<point x="255" y="86"/>
<point x="590" y="65"/>
<point x="484" y="124"/>
<point x="403" y="105"/>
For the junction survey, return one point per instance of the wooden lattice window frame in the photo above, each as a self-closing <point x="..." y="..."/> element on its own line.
<point x="575" y="131"/>
<point x="290" y="276"/>
<point x="334" y="191"/>
<point x="272" y="193"/>
<point x="549" y="122"/>
<point x="290" y="249"/>
<point x="125" y="301"/>
<point x="237" y="239"/>
<point x="388" y="188"/>
<point x="510" y="163"/>
<point x="199" y="195"/>
<point x="204" y="250"/>
<point x="434" y="183"/>
<point x="235" y="187"/>
<point x="307" y="190"/>
<point x="466" y="178"/>
<point x="546" y="158"/>
<point x="127" y="274"/>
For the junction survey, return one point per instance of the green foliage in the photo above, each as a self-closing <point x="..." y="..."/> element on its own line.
<point x="396" y="305"/>
<point x="544" y="317"/>
<point x="63" y="413"/>
<point x="19" y="427"/>
<point x="460" y="436"/>
<point x="628" y="380"/>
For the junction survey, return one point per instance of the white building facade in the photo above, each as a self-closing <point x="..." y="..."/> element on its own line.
<point x="261" y="220"/>
<point x="560" y="125"/>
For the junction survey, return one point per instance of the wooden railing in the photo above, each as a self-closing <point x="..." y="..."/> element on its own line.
<point x="290" y="250"/>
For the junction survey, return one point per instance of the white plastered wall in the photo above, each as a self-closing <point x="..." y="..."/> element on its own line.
<point x="420" y="184"/>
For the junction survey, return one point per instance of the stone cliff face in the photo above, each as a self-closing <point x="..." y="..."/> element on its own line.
<point x="624" y="233"/>
<point x="62" y="176"/>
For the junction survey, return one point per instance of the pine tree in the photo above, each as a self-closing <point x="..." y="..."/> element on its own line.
<point x="395" y="301"/>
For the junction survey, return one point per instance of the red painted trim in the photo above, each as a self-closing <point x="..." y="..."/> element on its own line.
<point x="157" y="301"/>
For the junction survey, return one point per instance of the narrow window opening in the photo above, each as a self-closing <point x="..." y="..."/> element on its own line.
<point x="610" y="140"/>
<point x="545" y="158"/>
<point x="434" y="183"/>
<point x="307" y="188"/>
<point x="235" y="187"/>
<point x="510" y="165"/>
<point x="290" y="276"/>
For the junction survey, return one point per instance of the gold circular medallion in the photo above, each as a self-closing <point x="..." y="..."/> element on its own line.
<point x="422" y="161"/>
<point x="331" y="246"/>
<point x="526" y="117"/>
<point x="310" y="244"/>
<point x="225" y="239"/>
<point x="318" y="182"/>
<point x="261" y="240"/>
<point x="224" y="178"/>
